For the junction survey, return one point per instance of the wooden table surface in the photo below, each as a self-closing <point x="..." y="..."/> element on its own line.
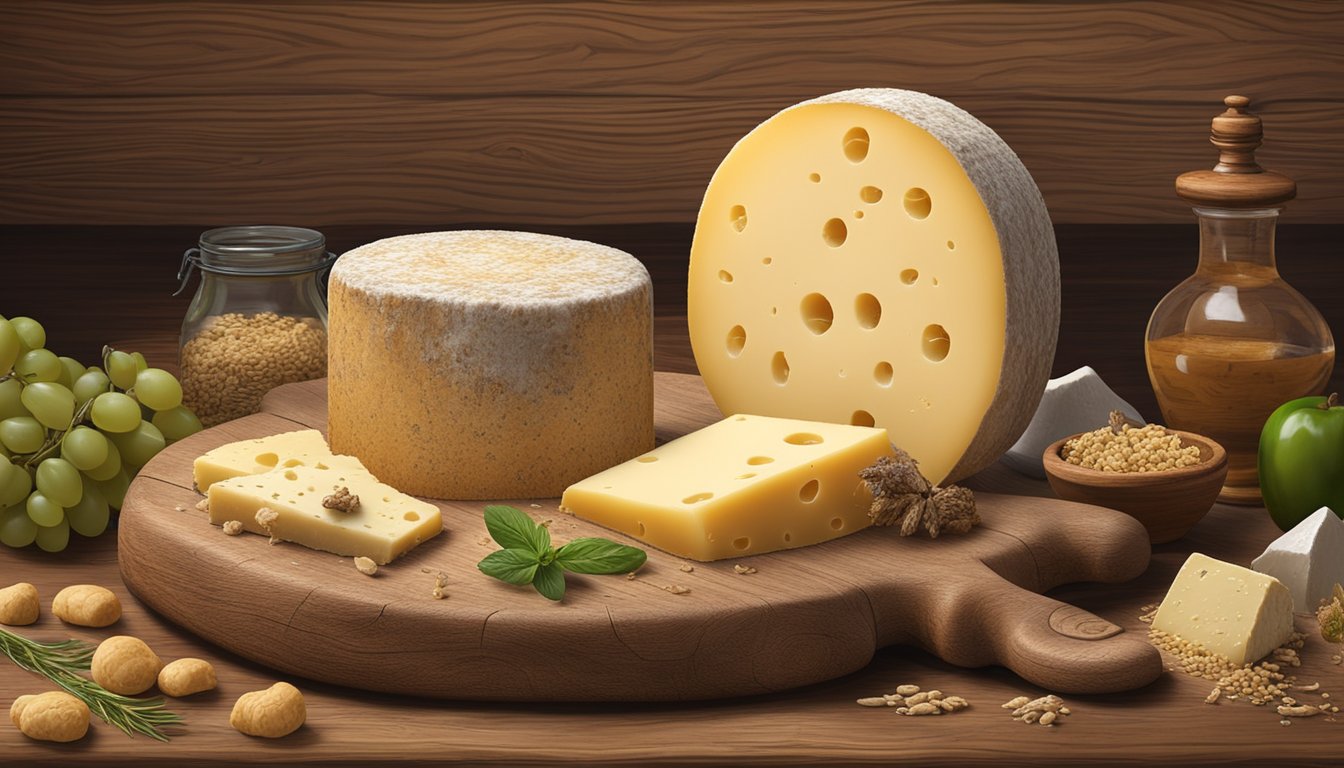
<point x="1166" y="723"/>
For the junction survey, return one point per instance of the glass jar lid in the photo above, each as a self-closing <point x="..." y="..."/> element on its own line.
<point x="257" y="251"/>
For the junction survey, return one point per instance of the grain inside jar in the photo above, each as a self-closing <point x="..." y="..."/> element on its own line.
<point x="237" y="358"/>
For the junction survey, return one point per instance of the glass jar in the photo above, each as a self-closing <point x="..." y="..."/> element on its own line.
<point x="1234" y="341"/>
<point x="258" y="319"/>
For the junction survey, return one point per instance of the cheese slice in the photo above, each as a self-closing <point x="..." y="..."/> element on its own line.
<point x="304" y="448"/>
<point x="386" y="524"/>
<point x="1230" y="610"/>
<point x="743" y="486"/>
<point x="878" y="257"/>
<point x="1309" y="559"/>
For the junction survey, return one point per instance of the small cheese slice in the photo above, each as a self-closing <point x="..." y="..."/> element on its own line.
<point x="304" y="448"/>
<point x="386" y="524"/>
<point x="1230" y="610"/>
<point x="1309" y="559"/>
<point x="746" y="485"/>
<point x="878" y="257"/>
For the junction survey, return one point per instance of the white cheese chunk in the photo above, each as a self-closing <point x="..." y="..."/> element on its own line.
<point x="1073" y="403"/>
<point x="1309" y="559"/>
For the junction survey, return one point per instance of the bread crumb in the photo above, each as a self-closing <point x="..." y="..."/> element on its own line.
<point x="366" y="566"/>
<point x="743" y="570"/>
<point x="233" y="528"/>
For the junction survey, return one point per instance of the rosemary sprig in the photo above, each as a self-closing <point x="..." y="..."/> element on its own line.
<point x="61" y="663"/>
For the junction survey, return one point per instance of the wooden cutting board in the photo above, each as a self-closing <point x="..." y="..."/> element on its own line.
<point x="804" y="616"/>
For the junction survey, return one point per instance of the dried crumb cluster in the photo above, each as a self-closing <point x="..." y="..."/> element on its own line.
<point x="232" y="362"/>
<point x="910" y="700"/>
<point x="1124" y="447"/>
<point x="1044" y="710"/>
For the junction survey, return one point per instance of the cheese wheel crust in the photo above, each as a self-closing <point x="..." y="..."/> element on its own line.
<point x="878" y="257"/>
<point x="489" y="365"/>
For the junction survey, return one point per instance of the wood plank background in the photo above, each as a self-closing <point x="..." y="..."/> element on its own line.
<point x="325" y="112"/>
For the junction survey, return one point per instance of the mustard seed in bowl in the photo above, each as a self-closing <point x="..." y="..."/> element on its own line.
<point x="1125" y="447"/>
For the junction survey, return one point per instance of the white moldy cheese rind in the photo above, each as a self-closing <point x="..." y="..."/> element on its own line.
<point x="385" y="525"/>
<point x="305" y="447"/>
<point x="1230" y="610"/>
<point x="489" y="365"/>
<point x="1073" y="403"/>
<point x="878" y="256"/>
<point x="746" y="485"/>
<point x="1309" y="559"/>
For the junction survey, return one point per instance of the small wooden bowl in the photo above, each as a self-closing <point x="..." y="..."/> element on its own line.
<point x="1167" y="503"/>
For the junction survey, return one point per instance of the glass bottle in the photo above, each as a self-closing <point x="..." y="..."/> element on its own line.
<point x="258" y="319"/>
<point x="1234" y="341"/>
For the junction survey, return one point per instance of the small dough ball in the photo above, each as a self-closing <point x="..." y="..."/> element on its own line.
<point x="272" y="713"/>
<point x="187" y="676"/>
<point x="19" y="605"/>
<point x="124" y="664"/>
<point x="86" y="605"/>
<point x="51" y="716"/>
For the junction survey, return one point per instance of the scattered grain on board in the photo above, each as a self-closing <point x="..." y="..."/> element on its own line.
<point x="909" y="700"/>
<point x="743" y="570"/>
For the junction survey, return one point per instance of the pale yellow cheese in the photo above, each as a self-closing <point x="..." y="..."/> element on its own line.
<point x="489" y="365"/>
<point x="1230" y="610"/>
<point x="744" y="486"/>
<point x="304" y="448"/>
<point x="386" y="524"/>
<point x="878" y="257"/>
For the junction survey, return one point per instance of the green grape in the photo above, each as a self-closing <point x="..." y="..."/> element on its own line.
<point x="50" y="403"/>
<point x="71" y="369"/>
<point x="38" y="365"/>
<point x="10" y="346"/>
<point x="58" y="480"/>
<point x="90" y="385"/>
<point x="22" y="434"/>
<point x="158" y="389"/>
<point x="31" y="333"/>
<point x="53" y="539"/>
<point x="109" y="468"/>
<point x="85" y="448"/>
<point x="11" y="400"/>
<point x="15" y="485"/>
<point x="140" y="445"/>
<point x="115" y="412"/>
<point x="16" y="528"/>
<point x="44" y="511"/>
<point x="90" y="516"/>
<point x="176" y="423"/>
<point x="114" y="489"/>
<point x="121" y="369"/>
<point x="140" y="362"/>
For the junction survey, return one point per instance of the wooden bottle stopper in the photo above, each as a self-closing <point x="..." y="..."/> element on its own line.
<point x="1237" y="181"/>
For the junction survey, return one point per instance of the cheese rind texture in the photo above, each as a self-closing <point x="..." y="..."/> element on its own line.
<point x="305" y="447"/>
<point x="386" y="524"/>
<point x="1230" y="610"/>
<point x="878" y="256"/>
<point x="489" y="365"/>
<point x="746" y="485"/>
<point x="1309" y="559"/>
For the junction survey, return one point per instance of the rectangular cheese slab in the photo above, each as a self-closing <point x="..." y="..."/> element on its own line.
<point x="304" y="448"/>
<point x="744" y="486"/>
<point x="386" y="524"/>
<point x="1230" y="610"/>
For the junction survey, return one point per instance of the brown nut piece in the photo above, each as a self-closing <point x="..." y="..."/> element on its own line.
<point x="187" y="676"/>
<point x="19" y="605"/>
<point x="124" y="664"/>
<point x="51" y="716"/>
<point x="86" y="605"/>
<point x="275" y="712"/>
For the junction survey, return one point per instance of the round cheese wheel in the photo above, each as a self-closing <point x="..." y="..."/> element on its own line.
<point x="489" y="365"/>
<point x="878" y="257"/>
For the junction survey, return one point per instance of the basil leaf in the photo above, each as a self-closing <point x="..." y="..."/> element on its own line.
<point x="550" y="581"/>
<point x="514" y="530"/>
<point x="516" y="566"/>
<point x="594" y="555"/>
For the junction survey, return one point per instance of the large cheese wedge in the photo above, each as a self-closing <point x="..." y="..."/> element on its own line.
<point x="744" y="486"/>
<point x="304" y="448"/>
<point x="878" y="257"/>
<point x="1230" y="610"/>
<point x="489" y="365"/>
<point x="385" y="525"/>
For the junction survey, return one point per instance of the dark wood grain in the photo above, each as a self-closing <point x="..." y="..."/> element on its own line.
<point x="615" y="112"/>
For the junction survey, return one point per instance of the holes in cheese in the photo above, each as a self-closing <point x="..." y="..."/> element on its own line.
<point x="737" y="215"/>
<point x="817" y="313"/>
<point x="697" y="501"/>
<point x="963" y="250"/>
<point x="737" y="339"/>
<point x="725" y="276"/>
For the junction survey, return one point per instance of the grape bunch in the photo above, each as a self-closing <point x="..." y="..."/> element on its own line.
<point x="73" y="437"/>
